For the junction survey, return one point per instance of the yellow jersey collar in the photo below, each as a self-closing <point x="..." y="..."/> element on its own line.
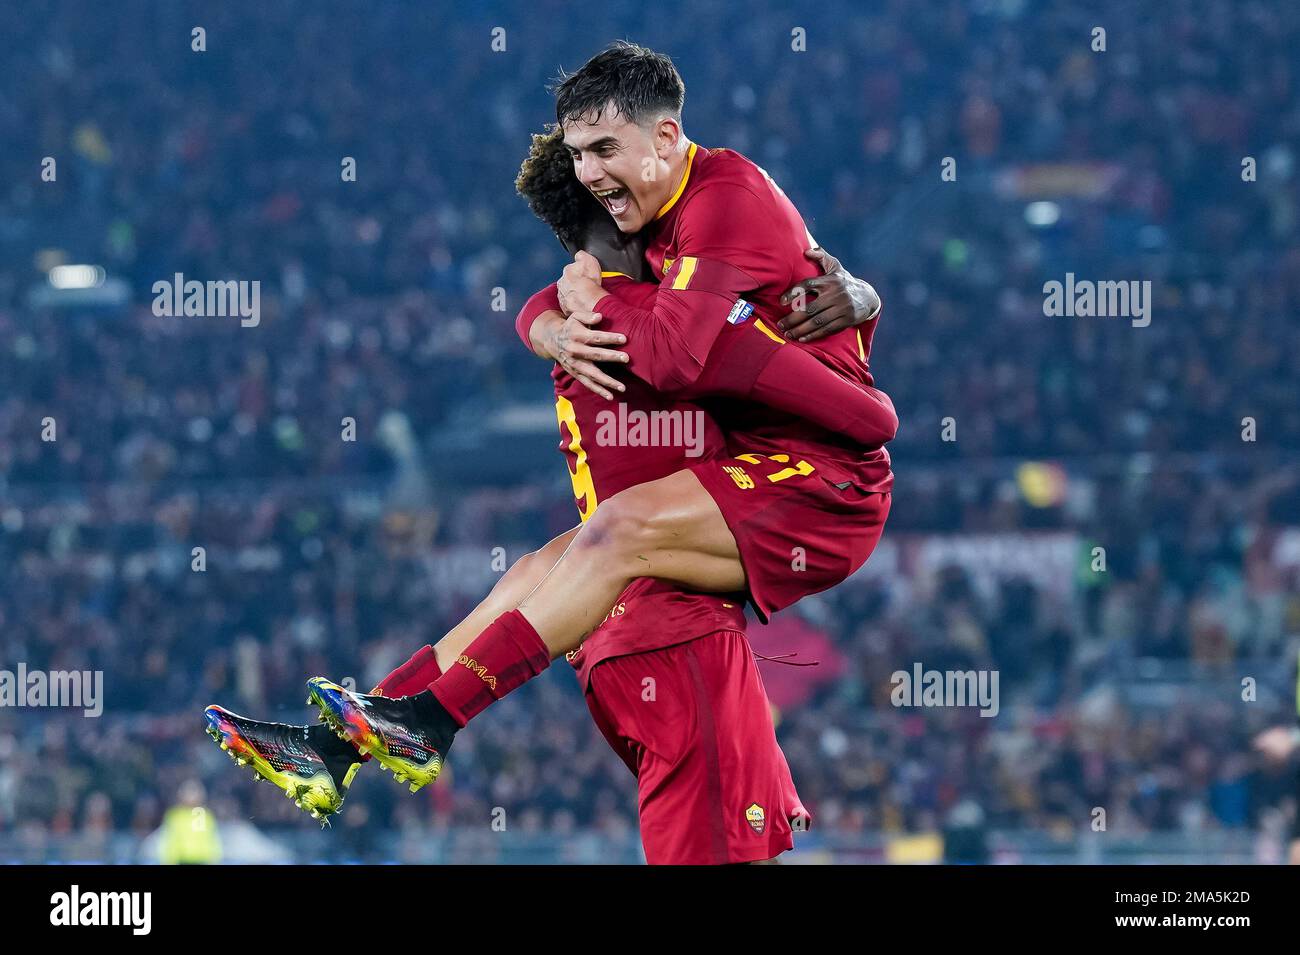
<point x="681" y="186"/>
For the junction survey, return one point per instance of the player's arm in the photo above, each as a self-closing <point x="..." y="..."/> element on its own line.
<point x="724" y="251"/>
<point x="672" y="340"/>
<point x="828" y="303"/>
<point x="574" y="342"/>
<point x="727" y="248"/>
<point x="749" y="361"/>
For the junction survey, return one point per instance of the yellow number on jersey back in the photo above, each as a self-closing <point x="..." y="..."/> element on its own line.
<point x="584" y="488"/>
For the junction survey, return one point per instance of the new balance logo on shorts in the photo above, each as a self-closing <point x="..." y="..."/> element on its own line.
<point x="743" y="480"/>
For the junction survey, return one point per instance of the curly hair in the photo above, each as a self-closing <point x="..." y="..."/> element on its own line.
<point x="547" y="183"/>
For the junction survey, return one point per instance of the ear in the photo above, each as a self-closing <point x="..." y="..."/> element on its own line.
<point x="667" y="133"/>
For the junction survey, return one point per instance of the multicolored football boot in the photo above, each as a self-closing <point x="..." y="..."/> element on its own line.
<point x="409" y="735"/>
<point x="311" y="767"/>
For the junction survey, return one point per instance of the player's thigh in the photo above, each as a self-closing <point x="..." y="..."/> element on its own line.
<point x="669" y="528"/>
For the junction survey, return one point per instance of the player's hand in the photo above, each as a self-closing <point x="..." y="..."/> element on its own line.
<point x="579" y="284"/>
<point x="827" y="303"/>
<point x="577" y="345"/>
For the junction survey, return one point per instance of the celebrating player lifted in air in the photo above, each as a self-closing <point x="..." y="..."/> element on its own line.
<point x="794" y="463"/>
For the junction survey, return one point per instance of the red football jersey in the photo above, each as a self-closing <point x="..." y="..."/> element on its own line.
<point x="728" y="245"/>
<point x="726" y="240"/>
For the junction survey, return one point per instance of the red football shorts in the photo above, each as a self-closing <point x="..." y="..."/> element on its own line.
<point x="799" y="530"/>
<point x="692" y="722"/>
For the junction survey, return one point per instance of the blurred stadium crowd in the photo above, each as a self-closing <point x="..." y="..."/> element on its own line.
<point x="1120" y="688"/>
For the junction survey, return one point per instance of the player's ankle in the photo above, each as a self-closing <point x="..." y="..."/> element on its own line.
<point x="429" y="711"/>
<point x="327" y="743"/>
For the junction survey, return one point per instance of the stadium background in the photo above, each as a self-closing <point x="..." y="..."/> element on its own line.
<point x="1120" y="689"/>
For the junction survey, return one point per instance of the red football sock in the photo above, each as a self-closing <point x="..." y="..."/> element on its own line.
<point x="413" y="676"/>
<point x="506" y="655"/>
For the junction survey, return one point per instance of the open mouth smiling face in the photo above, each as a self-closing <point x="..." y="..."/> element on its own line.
<point x="609" y="156"/>
<point x="617" y="200"/>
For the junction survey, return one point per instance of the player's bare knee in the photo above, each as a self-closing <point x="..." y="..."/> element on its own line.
<point x="524" y="566"/>
<point x="618" y="532"/>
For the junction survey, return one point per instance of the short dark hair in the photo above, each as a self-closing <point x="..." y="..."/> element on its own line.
<point x="553" y="192"/>
<point x="639" y="83"/>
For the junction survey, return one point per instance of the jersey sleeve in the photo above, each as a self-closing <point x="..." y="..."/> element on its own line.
<point x="725" y="249"/>
<point x="794" y="381"/>
<point x="740" y="361"/>
<point x="748" y="361"/>
<point x="545" y="300"/>
<point x="636" y="295"/>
